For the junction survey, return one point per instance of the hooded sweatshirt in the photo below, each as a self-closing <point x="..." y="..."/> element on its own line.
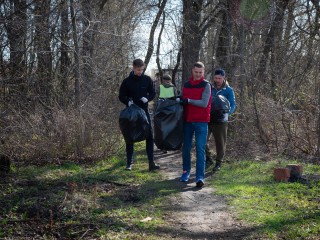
<point x="135" y="87"/>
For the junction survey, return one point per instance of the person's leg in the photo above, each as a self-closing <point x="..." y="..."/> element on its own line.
<point x="209" y="155"/>
<point x="150" y="146"/>
<point x="186" y="150"/>
<point x="129" y="153"/>
<point x="201" y="133"/>
<point x="220" y="136"/>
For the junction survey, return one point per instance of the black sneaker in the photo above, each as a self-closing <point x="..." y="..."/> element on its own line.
<point x="217" y="167"/>
<point x="199" y="184"/>
<point x="153" y="167"/>
<point x="129" y="167"/>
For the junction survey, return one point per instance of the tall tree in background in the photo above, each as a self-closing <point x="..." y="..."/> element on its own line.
<point x="65" y="61"/>
<point x="16" y="27"/>
<point x="191" y="35"/>
<point x="43" y="49"/>
<point x="88" y="23"/>
<point x="223" y="51"/>
<point x="161" y="6"/>
<point x="273" y="38"/>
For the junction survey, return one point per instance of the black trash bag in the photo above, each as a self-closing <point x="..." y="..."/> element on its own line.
<point x="220" y="106"/>
<point x="134" y="124"/>
<point x="168" y="125"/>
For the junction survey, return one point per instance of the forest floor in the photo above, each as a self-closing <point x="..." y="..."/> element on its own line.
<point x="198" y="213"/>
<point x="101" y="200"/>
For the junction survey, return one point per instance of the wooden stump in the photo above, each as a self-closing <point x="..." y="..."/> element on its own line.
<point x="281" y="174"/>
<point x="295" y="172"/>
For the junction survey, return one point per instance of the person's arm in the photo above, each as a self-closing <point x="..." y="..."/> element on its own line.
<point x="123" y="93"/>
<point x="232" y="100"/>
<point x="203" y="102"/>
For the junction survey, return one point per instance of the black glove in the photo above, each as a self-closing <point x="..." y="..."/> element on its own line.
<point x="184" y="101"/>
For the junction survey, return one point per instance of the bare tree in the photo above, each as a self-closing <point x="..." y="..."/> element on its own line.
<point x="152" y="31"/>
<point x="43" y="49"/>
<point x="16" y="27"/>
<point x="274" y="33"/>
<point x="64" y="56"/>
<point x="191" y="35"/>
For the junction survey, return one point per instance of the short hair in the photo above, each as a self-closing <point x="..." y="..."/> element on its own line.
<point x="219" y="72"/>
<point x="166" y="77"/>
<point x="198" y="65"/>
<point x="138" y="63"/>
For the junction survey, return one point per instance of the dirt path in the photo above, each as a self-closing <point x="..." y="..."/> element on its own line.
<point x="197" y="213"/>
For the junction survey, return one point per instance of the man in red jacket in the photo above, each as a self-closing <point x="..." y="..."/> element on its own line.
<point x="196" y="95"/>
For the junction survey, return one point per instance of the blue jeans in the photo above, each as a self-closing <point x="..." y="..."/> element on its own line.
<point x="200" y="130"/>
<point x="149" y="144"/>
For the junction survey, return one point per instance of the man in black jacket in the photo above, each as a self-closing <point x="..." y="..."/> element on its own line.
<point x="139" y="89"/>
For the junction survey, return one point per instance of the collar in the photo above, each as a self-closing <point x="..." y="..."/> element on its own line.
<point x="195" y="82"/>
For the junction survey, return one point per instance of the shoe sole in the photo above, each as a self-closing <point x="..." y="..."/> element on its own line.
<point x="184" y="180"/>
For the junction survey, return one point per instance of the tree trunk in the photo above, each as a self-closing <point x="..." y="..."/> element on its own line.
<point x="17" y="35"/>
<point x="43" y="50"/>
<point x="176" y="67"/>
<point x="76" y="53"/>
<point x="87" y="47"/>
<point x="151" y="35"/>
<point x="317" y="81"/>
<point x="275" y="30"/>
<point x="224" y="40"/>
<point x="191" y="36"/>
<point x="64" y="59"/>
<point x="158" y="48"/>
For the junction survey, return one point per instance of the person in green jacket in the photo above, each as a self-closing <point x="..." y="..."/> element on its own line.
<point x="167" y="89"/>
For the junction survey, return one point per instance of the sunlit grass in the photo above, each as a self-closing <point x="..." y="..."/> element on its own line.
<point x="131" y="204"/>
<point x="279" y="210"/>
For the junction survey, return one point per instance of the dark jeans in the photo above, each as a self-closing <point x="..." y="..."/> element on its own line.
<point x="219" y="132"/>
<point x="149" y="144"/>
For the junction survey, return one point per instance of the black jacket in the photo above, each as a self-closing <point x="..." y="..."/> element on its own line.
<point x="134" y="87"/>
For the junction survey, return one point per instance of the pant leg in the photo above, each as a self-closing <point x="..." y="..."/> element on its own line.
<point x="129" y="153"/>
<point x="187" y="145"/>
<point x="209" y="154"/>
<point x="220" y="137"/>
<point x="150" y="141"/>
<point x="201" y="133"/>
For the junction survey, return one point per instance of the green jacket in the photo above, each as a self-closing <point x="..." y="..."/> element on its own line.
<point x="167" y="91"/>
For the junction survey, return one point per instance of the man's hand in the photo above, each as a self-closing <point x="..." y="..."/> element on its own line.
<point x="130" y="103"/>
<point x="178" y="99"/>
<point x="184" y="101"/>
<point x="144" y="100"/>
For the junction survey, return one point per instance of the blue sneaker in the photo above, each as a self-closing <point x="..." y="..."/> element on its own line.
<point x="185" y="176"/>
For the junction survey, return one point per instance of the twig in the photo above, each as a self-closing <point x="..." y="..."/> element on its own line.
<point x="85" y="233"/>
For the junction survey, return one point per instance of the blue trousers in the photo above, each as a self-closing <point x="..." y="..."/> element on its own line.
<point x="200" y="130"/>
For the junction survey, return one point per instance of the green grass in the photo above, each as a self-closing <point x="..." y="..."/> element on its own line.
<point x="68" y="199"/>
<point x="103" y="201"/>
<point x="278" y="210"/>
